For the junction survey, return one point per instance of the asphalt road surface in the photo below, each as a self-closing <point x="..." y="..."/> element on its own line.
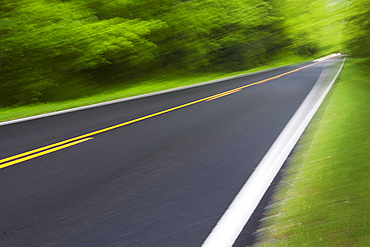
<point x="161" y="180"/>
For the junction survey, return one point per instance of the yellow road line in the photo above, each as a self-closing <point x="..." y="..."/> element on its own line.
<point x="224" y="94"/>
<point x="71" y="141"/>
<point x="33" y="151"/>
<point x="43" y="153"/>
<point x="96" y="132"/>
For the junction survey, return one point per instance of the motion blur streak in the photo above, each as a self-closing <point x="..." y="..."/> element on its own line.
<point x="60" y="50"/>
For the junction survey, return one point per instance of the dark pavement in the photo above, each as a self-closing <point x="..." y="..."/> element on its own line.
<point x="163" y="181"/>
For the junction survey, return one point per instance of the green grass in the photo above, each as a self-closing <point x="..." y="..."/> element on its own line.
<point x="324" y="197"/>
<point x="148" y="84"/>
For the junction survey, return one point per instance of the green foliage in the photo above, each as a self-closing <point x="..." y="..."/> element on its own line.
<point x="307" y="27"/>
<point x="236" y="37"/>
<point x="200" y="34"/>
<point x="357" y="24"/>
<point x="55" y="50"/>
<point x="48" y="43"/>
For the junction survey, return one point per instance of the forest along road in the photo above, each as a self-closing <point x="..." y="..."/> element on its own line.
<point x="163" y="179"/>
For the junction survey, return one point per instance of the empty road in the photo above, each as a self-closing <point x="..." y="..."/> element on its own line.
<point x="154" y="171"/>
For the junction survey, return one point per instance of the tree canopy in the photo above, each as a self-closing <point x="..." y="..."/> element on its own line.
<point x="51" y="47"/>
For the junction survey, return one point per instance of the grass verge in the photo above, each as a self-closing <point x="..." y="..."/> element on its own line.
<point x="324" y="197"/>
<point x="159" y="81"/>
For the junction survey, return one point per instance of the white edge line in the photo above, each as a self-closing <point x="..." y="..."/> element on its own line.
<point x="240" y="210"/>
<point x="137" y="97"/>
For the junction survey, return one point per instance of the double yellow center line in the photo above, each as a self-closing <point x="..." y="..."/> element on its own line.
<point x="15" y="159"/>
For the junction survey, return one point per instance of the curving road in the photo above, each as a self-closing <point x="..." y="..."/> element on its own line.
<point x="161" y="179"/>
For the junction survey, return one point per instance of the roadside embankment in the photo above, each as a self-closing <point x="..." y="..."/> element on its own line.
<point x="323" y="198"/>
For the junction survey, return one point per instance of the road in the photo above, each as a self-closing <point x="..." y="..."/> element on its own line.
<point x="159" y="180"/>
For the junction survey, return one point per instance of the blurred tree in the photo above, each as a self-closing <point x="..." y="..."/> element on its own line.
<point x="298" y="25"/>
<point x="201" y="34"/>
<point x="222" y="34"/>
<point x="46" y="44"/>
<point x="54" y="49"/>
<point x="357" y="25"/>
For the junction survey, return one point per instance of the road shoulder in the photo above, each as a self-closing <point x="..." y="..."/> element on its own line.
<point x="323" y="197"/>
